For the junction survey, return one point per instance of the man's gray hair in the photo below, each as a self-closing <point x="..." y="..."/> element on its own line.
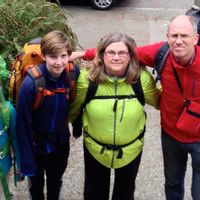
<point x="192" y="20"/>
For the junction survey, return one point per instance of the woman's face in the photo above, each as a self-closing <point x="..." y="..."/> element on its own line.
<point x="116" y="59"/>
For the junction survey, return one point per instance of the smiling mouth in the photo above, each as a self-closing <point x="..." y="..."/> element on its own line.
<point x="116" y="63"/>
<point x="57" y="67"/>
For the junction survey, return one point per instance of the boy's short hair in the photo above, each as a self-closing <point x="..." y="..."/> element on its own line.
<point x="54" y="43"/>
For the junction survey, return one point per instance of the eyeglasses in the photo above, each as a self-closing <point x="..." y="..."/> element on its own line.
<point x="183" y="37"/>
<point x="121" y="54"/>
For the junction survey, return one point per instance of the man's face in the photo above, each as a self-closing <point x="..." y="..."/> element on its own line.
<point x="182" y="38"/>
<point x="56" y="63"/>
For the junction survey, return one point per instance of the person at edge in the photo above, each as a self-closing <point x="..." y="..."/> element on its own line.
<point x="9" y="150"/>
<point x="43" y="133"/>
<point x="113" y="125"/>
<point x="176" y="144"/>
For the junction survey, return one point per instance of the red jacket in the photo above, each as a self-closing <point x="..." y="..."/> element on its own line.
<point x="172" y="100"/>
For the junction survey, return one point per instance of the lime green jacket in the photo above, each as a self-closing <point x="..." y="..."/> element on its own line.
<point x="103" y="125"/>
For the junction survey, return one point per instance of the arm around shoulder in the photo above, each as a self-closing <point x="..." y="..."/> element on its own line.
<point x="152" y="92"/>
<point x="88" y="54"/>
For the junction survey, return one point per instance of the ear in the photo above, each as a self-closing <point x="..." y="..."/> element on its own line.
<point x="43" y="57"/>
<point x="196" y="38"/>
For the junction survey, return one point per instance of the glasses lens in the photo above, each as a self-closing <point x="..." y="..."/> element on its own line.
<point x="113" y="53"/>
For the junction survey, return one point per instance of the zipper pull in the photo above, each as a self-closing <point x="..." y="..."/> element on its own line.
<point x="115" y="105"/>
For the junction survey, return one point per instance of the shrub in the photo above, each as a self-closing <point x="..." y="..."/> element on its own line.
<point x="23" y="20"/>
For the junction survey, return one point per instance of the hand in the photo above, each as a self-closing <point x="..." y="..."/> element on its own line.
<point x="76" y="55"/>
<point x="77" y="127"/>
<point x="18" y="176"/>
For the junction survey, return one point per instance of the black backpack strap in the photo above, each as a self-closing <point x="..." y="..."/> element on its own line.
<point x="160" y="59"/>
<point x="72" y="72"/>
<point x="92" y="88"/>
<point x="36" y="74"/>
<point x="137" y="88"/>
<point x="91" y="91"/>
<point x="77" y="124"/>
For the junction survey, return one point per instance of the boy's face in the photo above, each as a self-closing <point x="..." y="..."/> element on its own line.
<point x="56" y="63"/>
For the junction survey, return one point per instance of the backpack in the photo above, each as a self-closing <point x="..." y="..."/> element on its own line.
<point x="31" y="55"/>
<point x="163" y="52"/>
<point x="92" y="88"/>
<point x="27" y="62"/>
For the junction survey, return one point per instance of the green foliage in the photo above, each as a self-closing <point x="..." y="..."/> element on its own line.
<point x="23" y="20"/>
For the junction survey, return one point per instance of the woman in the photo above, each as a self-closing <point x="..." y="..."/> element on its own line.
<point x="114" y="121"/>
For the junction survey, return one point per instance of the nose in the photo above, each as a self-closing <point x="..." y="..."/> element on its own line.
<point x="116" y="56"/>
<point x="179" y="39"/>
<point x="58" y="60"/>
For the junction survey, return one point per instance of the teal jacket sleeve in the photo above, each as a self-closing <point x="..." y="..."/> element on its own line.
<point x="12" y="133"/>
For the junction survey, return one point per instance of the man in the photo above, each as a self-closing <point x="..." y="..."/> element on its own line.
<point x="176" y="144"/>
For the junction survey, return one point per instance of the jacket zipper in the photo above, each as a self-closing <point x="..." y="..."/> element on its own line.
<point x="53" y="119"/>
<point x="115" y="111"/>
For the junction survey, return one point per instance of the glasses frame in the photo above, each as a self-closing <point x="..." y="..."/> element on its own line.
<point x="121" y="54"/>
<point x="183" y="37"/>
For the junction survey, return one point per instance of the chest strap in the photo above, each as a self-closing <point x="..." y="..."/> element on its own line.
<point x="116" y="147"/>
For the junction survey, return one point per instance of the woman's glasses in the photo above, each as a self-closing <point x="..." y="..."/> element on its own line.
<point x="121" y="54"/>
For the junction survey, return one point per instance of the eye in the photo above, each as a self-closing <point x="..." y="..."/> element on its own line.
<point x="175" y="36"/>
<point x="184" y="36"/>
<point x="64" y="55"/>
<point x="110" y="53"/>
<point x="123" y="53"/>
<point x="52" y="56"/>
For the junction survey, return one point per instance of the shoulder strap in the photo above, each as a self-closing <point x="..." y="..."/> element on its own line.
<point x="160" y="59"/>
<point x="77" y="124"/>
<point x="36" y="74"/>
<point x="40" y="84"/>
<point x="91" y="91"/>
<point x="137" y="88"/>
<point x="72" y="76"/>
<point x="92" y="88"/>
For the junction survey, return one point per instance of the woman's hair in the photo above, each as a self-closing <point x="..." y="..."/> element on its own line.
<point x="97" y="71"/>
<point x="54" y="43"/>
